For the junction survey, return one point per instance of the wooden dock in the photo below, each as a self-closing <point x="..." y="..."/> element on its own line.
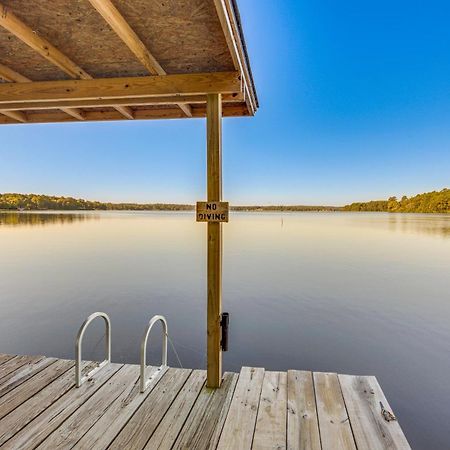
<point x="40" y="407"/>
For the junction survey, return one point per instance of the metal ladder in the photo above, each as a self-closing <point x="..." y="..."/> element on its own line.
<point x="144" y="382"/>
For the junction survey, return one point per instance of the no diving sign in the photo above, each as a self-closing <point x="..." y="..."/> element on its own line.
<point x="212" y="211"/>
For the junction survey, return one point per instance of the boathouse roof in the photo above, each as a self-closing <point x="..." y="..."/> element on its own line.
<point x="72" y="60"/>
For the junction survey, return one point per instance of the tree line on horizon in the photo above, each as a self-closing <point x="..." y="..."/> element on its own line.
<point x="39" y="202"/>
<point x="429" y="202"/>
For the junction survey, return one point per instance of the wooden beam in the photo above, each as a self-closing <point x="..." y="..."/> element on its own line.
<point x="16" y="115"/>
<point x="11" y="75"/>
<point x="117" y="22"/>
<point x="74" y="112"/>
<point x="116" y="88"/>
<point x="125" y="111"/>
<point x="121" y="27"/>
<point x="198" y="111"/>
<point x="214" y="181"/>
<point x="41" y="45"/>
<point x="22" y="31"/>
<point x="109" y="103"/>
<point x="229" y="27"/>
<point x="7" y="74"/>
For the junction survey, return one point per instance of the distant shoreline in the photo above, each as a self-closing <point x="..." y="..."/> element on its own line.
<point x="429" y="202"/>
<point x="255" y="211"/>
<point x="186" y="208"/>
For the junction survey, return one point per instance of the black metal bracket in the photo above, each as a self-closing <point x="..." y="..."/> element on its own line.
<point x="224" y="324"/>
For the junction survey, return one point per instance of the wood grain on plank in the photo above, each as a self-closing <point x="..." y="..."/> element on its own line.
<point x="144" y="422"/>
<point x="128" y="87"/>
<point x="362" y="396"/>
<point x="231" y="379"/>
<point x="270" y="431"/>
<point x="21" y="375"/>
<point x="119" y="412"/>
<point x="241" y="420"/>
<point x="16" y="363"/>
<point x="169" y="428"/>
<point x="23" y="392"/>
<point x="49" y="420"/>
<point x="4" y="357"/>
<point x="27" y="411"/>
<point x="165" y="100"/>
<point x="302" y="422"/>
<point x="335" y="431"/>
<point x="150" y="113"/>
<point x="74" y="428"/>
<point x="200" y="432"/>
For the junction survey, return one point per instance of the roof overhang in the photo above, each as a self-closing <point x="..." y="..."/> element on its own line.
<point x="72" y="60"/>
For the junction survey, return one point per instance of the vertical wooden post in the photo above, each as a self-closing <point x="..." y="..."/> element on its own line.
<point x="214" y="181"/>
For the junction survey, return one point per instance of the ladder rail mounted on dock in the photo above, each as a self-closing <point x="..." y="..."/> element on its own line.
<point x="79" y="379"/>
<point x="144" y="383"/>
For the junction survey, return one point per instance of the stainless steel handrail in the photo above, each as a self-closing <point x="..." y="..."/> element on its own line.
<point x="144" y="383"/>
<point x="79" y="380"/>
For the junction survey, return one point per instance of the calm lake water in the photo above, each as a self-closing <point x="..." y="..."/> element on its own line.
<point x="359" y="293"/>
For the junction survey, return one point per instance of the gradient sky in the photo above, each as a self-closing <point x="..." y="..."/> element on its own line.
<point x="354" y="105"/>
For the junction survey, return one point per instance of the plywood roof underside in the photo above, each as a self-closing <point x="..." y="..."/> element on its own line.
<point x="183" y="37"/>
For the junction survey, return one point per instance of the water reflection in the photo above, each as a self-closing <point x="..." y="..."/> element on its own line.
<point x="428" y="224"/>
<point x="14" y="219"/>
<point x="360" y="293"/>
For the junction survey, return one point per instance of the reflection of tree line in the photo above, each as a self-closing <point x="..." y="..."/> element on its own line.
<point x="32" y="219"/>
<point x="432" y="226"/>
<point x="437" y="226"/>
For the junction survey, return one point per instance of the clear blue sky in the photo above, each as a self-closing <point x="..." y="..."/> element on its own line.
<point x="355" y="105"/>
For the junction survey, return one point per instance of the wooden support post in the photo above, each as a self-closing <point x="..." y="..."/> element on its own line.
<point x="214" y="181"/>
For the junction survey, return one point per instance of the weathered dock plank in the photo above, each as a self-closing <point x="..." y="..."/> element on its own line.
<point x="74" y="428"/>
<point x="302" y="422"/>
<point x="14" y="364"/>
<point x="38" y="403"/>
<point x="362" y="396"/>
<point x="48" y="421"/>
<point x="5" y="357"/>
<point x="241" y="420"/>
<point x="270" y="431"/>
<point x="40" y="407"/>
<point x="22" y="374"/>
<point x="144" y="422"/>
<point x="335" y="431"/>
<point x="206" y="416"/>
<point x="22" y="393"/>
<point x="103" y="432"/>
<point x="169" y="428"/>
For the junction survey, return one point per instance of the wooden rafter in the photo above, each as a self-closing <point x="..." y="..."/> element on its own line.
<point x="16" y="115"/>
<point x="41" y="45"/>
<point x="121" y="88"/>
<point x="108" y="103"/>
<point x="198" y="111"/>
<point x="121" y="27"/>
<point x="12" y="76"/>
